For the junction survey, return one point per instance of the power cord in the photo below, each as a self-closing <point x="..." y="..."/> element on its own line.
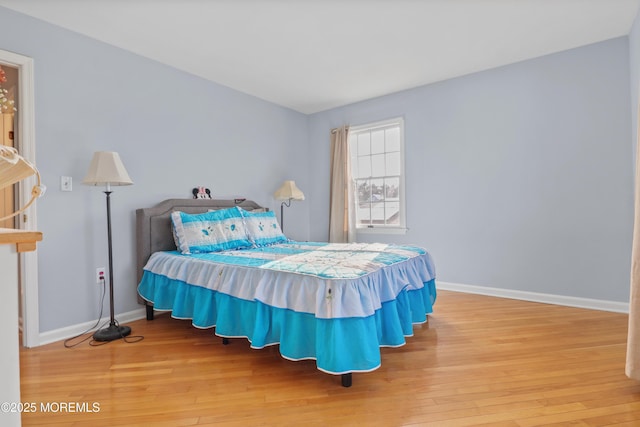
<point x="130" y="339"/>
<point x="68" y="340"/>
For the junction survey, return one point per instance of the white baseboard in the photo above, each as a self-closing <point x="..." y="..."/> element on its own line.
<point x="73" y="330"/>
<point x="618" y="307"/>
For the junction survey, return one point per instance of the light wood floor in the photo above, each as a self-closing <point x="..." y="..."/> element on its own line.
<point x="479" y="361"/>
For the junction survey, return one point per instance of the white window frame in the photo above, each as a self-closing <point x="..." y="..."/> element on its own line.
<point x="401" y="227"/>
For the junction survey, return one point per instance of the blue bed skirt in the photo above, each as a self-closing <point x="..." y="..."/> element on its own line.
<point x="339" y="346"/>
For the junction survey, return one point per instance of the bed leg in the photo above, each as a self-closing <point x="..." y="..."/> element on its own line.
<point x="225" y="341"/>
<point x="149" y="308"/>
<point x="346" y="380"/>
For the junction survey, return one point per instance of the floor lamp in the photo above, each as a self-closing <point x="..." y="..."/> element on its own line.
<point x="287" y="192"/>
<point x="107" y="169"/>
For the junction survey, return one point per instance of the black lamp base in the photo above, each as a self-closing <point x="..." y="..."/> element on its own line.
<point x="111" y="333"/>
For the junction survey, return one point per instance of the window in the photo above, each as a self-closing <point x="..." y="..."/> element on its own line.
<point x="377" y="170"/>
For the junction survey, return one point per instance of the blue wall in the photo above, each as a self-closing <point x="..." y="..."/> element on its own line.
<point x="174" y="131"/>
<point x="517" y="177"/>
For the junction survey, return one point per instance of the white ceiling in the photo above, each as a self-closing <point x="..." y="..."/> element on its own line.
<point x="312" y="55"/>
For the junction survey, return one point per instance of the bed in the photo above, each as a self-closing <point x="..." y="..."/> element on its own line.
<point x="337" y="304"/>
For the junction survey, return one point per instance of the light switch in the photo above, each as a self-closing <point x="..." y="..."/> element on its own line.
<point x="66" y="183"/>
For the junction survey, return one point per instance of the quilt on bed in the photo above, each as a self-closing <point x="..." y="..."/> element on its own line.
<point x="335" y="303"/>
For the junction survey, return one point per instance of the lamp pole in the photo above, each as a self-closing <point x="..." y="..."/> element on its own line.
<point x="113" y="331"/>
<point x="286" y="203"/>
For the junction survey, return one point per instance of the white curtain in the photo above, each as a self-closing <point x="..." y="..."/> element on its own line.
<point x="341" y="208"/>
<point x="633" y="340"/>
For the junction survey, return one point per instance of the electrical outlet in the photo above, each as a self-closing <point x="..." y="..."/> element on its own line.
<point x="100" y="275"/>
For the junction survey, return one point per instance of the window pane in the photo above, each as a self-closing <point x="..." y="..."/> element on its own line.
<point x="353" y="145"/>
<point x="377" y="142"/>
<point x="392" y="139"/>
<point x="364" y="215"/>
<point x="392" y="188"/>
<point x="392" y="213"/>
<point x="364" y="167"/>
<point x="363" y="191"/>
<point x="354" y="167"/>
<point x="392" y="161"/>
<point x="377" y="213"/>
<point x="364" y="144"/>
<point x="377" y="165"/>
<point x="363" y="198"/>
<point x="377" y="190"/>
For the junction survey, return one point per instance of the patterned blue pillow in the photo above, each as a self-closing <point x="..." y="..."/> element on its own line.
<point x="212" y="231"/>
<point x="263" y="228"/>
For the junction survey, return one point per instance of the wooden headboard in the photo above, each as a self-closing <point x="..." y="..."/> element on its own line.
<point x="153" y="225"/>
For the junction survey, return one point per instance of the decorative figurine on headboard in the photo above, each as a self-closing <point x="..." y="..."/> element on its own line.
<point x="201" y="193"/>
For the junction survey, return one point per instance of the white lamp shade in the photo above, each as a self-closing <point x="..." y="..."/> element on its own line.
<point x="106" y="168"/>
<point x="288" y="191"/>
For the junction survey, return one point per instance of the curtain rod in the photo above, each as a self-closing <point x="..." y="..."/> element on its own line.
<point x="334" y="130"/>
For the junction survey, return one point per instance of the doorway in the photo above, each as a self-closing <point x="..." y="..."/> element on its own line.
<point x="8" y="110"/>
<point x="24" y="141"/>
